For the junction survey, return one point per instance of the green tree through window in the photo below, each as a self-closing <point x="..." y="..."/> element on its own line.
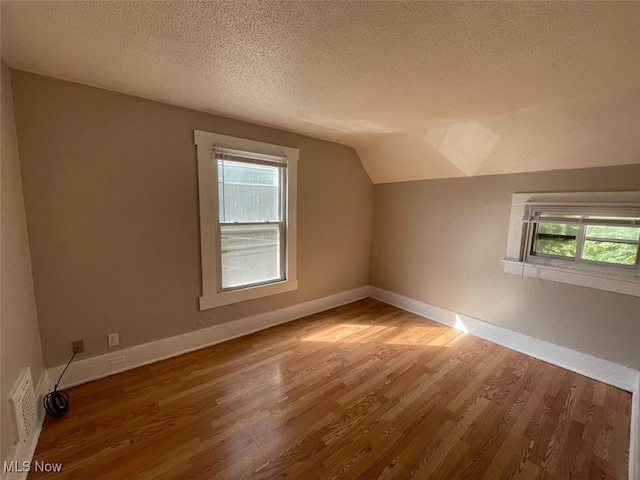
<point x="604" y="244"/>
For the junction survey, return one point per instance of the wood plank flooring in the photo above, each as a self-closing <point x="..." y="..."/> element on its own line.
<point x="361" y="391"/>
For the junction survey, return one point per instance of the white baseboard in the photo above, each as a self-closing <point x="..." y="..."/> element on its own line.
<point x="593" y="367"/>
<point x="22" y="453"/>
<point x="599" y="369"/>
<point x="634" y="444"/>
<point x="93" y="368"/>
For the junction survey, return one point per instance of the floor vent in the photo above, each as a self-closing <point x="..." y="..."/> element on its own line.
<point x="24" y="405"/>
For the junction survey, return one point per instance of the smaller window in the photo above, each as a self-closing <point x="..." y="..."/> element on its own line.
<point x="606" y="236"/>
<point x="587" y="239"/>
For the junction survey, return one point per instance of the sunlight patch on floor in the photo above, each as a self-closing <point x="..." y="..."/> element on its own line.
<point x="346" y="333"/>
<point x="427" y="336"/>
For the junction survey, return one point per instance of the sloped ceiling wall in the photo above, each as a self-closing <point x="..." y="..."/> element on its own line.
<point x="420" y="89"/>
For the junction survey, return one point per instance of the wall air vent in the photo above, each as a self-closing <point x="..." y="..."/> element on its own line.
<point x="24" y="405"/>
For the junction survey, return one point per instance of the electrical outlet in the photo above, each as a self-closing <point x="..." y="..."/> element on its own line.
<point x="79" y="345"/>
<point x="113" y="339"/>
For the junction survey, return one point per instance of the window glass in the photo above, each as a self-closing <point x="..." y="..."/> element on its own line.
<point x="250" y="254"/>
<point x="248" y="192"/>
<point x="617" y="245"/>
<point x="558" y="239"/>
<point x="250" y="199"/>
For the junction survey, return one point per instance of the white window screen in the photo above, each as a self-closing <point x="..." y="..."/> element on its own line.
<point x="251" y="218"/>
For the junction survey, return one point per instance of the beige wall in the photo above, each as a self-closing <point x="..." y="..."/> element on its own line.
<point x="110" y="187"/>
<point x="20" y="339"/>
<point x="441" y="241"/>
<point x="111" y="196"/>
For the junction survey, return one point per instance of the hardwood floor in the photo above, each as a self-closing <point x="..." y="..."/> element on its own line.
<point x="361" y="391"/>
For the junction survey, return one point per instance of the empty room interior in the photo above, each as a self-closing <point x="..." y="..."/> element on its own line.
<point x="320" y="240"/>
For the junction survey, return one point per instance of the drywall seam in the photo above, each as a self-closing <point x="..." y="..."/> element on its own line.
<point x="83" y="371"/>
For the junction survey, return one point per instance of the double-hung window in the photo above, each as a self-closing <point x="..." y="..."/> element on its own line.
<point x="584" y="239"/>
<point x="247" y="218"/>
<point x="251" y="222"/>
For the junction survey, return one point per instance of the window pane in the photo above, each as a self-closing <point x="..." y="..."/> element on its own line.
<point x="250" y="254"/>
<point x="610" y="252"/>
<point x="558" y="239"/>
<point x="556" y="246"/>
<point x="248" y="192"/>
<point x="558" y="229"/>
<point x="613" y="233"/>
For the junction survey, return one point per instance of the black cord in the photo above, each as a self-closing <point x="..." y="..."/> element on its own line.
<point x="56" y="403"/>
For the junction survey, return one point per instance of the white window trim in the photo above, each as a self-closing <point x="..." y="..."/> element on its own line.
<point x="205" y="143"/>
<point x="627" y="284"/>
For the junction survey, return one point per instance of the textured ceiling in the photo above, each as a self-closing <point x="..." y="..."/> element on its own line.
<point x="421" y="90"/>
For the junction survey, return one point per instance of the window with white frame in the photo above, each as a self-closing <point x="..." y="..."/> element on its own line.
<point x="605" y="235"/>
<point x="247" y="218"/>
<point x="584" y="239"/>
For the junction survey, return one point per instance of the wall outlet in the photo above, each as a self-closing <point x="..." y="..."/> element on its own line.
<point x="113" y="339"/>
<point x="79" y="344"/>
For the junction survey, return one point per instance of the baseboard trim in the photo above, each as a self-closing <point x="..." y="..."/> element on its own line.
<point x="634" y="444"/>
<point x="23" y="451"/>
<point x="608" y="372"/>
<point x="593" y="367"/>
<point x="83" y="371"/>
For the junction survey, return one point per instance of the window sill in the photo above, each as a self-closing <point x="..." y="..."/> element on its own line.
<point x="235" y="296"/>
<point x="601" y="281"/>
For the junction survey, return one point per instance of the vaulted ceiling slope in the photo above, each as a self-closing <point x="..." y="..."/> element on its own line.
<point x="420" y="89"/>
